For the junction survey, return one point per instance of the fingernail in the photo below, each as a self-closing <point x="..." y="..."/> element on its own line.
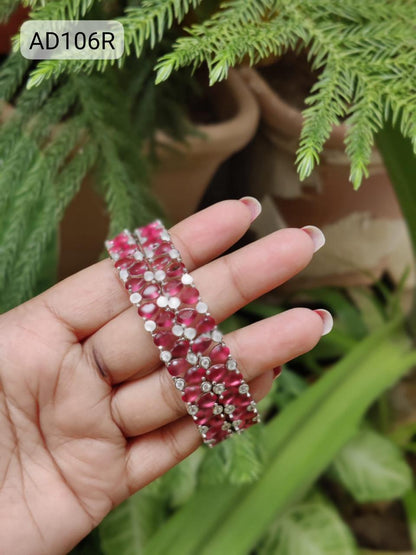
<point x="277" y="371"/>
<point x="253" y="205"/>
<point x="316" y="235"/>
<point x="326" y="319"/>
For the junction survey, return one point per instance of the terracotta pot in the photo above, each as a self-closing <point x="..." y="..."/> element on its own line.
<point x="186" y="169"/>
<point x="179" y="182"/>
<point x="365" y="231"/>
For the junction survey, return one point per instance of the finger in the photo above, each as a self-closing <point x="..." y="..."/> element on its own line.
<point x="92" y="297"/>
<point x="151" y="455"/>
<point x="257" y="348"/>
<point x="226" y="284"/>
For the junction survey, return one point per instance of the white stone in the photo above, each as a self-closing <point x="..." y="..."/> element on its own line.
<point x="162" y="301"/>
<point x="231" y="364"/>
<point x="192" y="358"/>
<point x="216" y="335"/>
<point x="177" y="330"/>
<point x="206" y="386"/>
<point x="226" y="426"/>
<point x="138" y="255"/>
<point x="174" y="302"/>
<point x="228" y="409"/>
<point x="108" y="245"/>
<point x="187" y="279"/>
<point x="179" y="383"/>
<point x="190" y="333"/>
<point x="243" y="388"/>
<point x="124" y="274"/>
<point x="205" y="362"/>
<point x="218" y="388"/>
<point x="135" y="298"/>
<point x="160" y="275"/>
<point x="192" y="410"/>
<point x="237" y="424"/>
<point x="173" y="253"/>
<point x="148" y="275"/>
<point x="203" y="429"/>
<point x="201" y="307"/>
<point x="217" y="409"/>
<point x="150" y="325"/>
<point x="148" y="251"/>
<point x="165" y="235"/>
<point x="165" y="356"/>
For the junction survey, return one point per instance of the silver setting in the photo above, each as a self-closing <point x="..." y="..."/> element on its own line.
<point x="165" y="356"/>
<point x="124" y="274"/>
<point x="135" y="298"/>
<point x="162" y="301"/>
<point x="192" y="358"/>
<point x="173" y="253"/>
<point x="179" y="383"/>
<point x="174" y="302"/>
<point x="231" y="364"/>
<point x="187" y="279"/>
<point x="160" y="275"/>
<point x="206" y="387"/>
<point x="190" y="333"/>
<point x="205" y="362"/>
<point x="243" y="388"/>
<point x="177" y="330"/>
<point x="203" y="429"/>
<point x="216" y="335"/>
<point x="192" y="409"/>
<point x="217" y="409"/>
<point x="226" y="426"/>
<point x="148" y="276"/>
<point x="218" y="388"/>
<point x="165" y="235"/>
<point x="138" y="256"/>
<point x="201" y="307"/>
<point x="150" y="326"/>
<point x="237" y="424"/>
<point x="229" y="409"/>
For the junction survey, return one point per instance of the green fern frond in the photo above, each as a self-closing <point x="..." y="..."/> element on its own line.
<point x="7" y="7"/>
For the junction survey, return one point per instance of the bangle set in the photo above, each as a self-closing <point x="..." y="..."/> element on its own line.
<point x="190" y="344"/>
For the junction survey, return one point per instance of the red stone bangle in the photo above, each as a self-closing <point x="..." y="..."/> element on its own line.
<point x="191" y="346"/>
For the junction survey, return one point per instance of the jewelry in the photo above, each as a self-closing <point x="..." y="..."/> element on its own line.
<point x="190" y="344"/>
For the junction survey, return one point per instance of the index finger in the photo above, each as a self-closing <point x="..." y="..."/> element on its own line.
<point x="89" y="299"/>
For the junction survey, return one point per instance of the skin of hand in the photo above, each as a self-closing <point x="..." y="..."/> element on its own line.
<point x="88" y="416"/>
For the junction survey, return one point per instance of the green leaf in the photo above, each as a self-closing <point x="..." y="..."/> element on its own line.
<point x="372" y="468"/>
<point x="309" y="529"/>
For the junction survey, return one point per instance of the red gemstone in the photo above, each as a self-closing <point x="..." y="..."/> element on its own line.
<point x="147" y="310"/>
<point x="191" y="394"/>
<point x="135" y="285"/>
<point x="217" y="373"/>
<point x="201" y="344"/>
<point x="124" y="263"/>
<point x="243" y="414"/>
<point x="165" y="319"/>
<point x="189" y="295"/>
<point x="206" y="325"/>
<point x="180" y="349"/>
<point x="152" y="291"/>
<point x="207" y="401"/>
<point x="233" y="397"/>
<point x="138" y="269"/>
<point x="172" y="287"/>
<point x="232" y="379"/>
<point x="164" y="339"/>
<point x="163" y="248"/>
<point x="160" y="262"/>
<point x="150" y="235"/>
<point x="219" y="353"/>
<point x="149" y="228"/>
<point x="175" y="269"/>
<point x="178" y="366"/>
<point x="194" y="376"/>
<point x="119" y="242"/>
<point x="187" y="316"/>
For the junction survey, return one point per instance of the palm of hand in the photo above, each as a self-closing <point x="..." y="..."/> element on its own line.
<point x="59" y="440"/>
<point x="87" y="414"/>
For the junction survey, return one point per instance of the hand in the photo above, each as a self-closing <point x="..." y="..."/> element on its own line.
<point x="87" y="414"/>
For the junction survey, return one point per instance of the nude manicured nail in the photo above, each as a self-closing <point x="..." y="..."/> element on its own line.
<point x="316" y="235"/>
<point x="253" y="205"/>
<point x="277" y="371"/>
<point x="326" y="319"/>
